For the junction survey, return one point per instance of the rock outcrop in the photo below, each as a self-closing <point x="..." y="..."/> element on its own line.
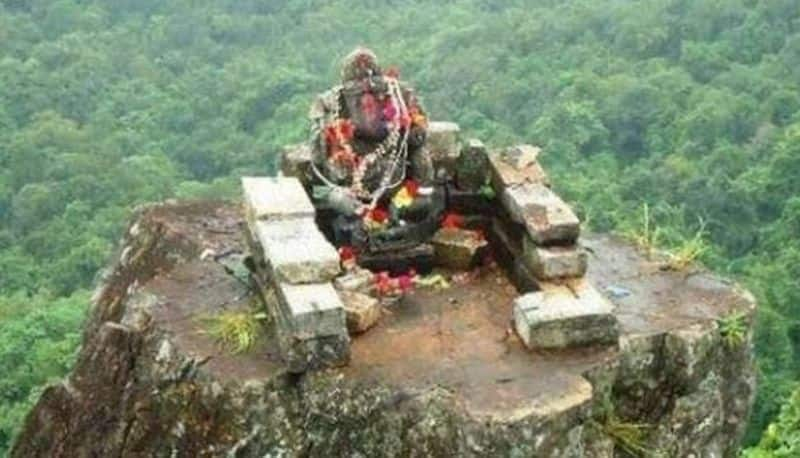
<point x="443" y="376"/>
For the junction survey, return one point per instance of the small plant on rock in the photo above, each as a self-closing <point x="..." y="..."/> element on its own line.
<point x="733" y="329"/>
<point x="237" y="331"/>
<point x="627" y="436"/>
<point x="646" y="236"/>
<point x="630" y="437"/>
<point x="675" y="250"/>
<point x="687" y="252"/>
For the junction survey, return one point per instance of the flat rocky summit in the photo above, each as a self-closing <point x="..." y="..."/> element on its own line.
<point x="443" y="374"/>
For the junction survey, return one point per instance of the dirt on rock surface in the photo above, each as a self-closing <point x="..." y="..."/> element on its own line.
<point x="461" y="338"/>
<point x="649" y="297"/>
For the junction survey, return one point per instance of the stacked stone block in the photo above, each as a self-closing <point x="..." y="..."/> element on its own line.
<point x="299" y="266"/>
<point x="551" y="228"/>
<point x="564" y="310"/>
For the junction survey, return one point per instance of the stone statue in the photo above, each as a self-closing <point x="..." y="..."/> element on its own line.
<point x="369" y="160"/>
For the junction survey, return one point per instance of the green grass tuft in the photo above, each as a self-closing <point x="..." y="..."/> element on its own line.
<point x="687" y="252"/>
<point x="236" y="331"/>
<point x="678" y="251"/>
<point x="646" y="236"/>
<point x="630" y="437"/>
<point x="733" y="329"/>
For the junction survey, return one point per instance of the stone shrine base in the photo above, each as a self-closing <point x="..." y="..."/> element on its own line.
<point x="441" y="376"/>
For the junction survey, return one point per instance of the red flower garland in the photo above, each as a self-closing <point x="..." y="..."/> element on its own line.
<point x="337" y="138"/>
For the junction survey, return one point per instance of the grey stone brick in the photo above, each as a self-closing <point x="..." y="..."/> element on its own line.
<point x="296" y="251"/>
<point x="549" y="263"/>
<point x="312" y="311"/>
<point x="560" y="316"/>
<point x="272" y="198"/>
<point x="547" y="218"/>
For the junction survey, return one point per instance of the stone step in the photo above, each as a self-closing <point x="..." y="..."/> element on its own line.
<point x="296" y="251"/>
<point x="275" y="198"/>
<point x="547" y="218"/>
<point x="309" y="325"/>
<point x="555" y="262"/>
<point x="573" y="314"/>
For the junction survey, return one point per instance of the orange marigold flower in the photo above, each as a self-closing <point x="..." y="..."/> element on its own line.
<point x="343" y="155"/>
<point x="419" y="120"/>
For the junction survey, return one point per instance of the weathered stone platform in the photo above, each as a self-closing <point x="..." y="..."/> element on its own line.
<point x="442" y="375"/>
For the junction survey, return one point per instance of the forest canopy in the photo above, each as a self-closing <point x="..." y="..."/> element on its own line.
<point x="690" y="107"/>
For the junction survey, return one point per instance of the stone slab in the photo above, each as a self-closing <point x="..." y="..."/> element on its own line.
<point x="275" y="198"/>
<point x="312" y="311"/>
<point x="296" y="161"/>
<point x="547" y="218"/>
<point x="515" y="166"/>
<point x="555" y="262"/>
<point x="443" y="143"/>
<point x="458" y="248"/>
<point x="565" y="315"/>
<point x="296" y="251"/>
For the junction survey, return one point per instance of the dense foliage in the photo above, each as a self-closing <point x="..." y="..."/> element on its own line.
<point x="782" y="438"/>
<point x="689" y="106"/>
